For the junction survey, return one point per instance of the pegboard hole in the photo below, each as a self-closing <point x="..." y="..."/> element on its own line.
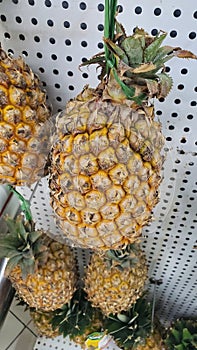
<point x="154" y="32"/>
<point x="37" y="39"/>
<point x="101" y="7"/>
<point x="7" y="35"/>
<point x="177" y="13"/>
<point x="184" y="71"/>
<point x="180" y="86"/>
<point x="138" y="10"/>
<point x="157" y="11"/>
<point x="34" y="21"/>
<point x="82" y="6"/>
<point x="83" y="26"/>
<point x="3" y="18"/>
<point x="65" y="4"/>
<point x="50" y="23"/>
<point x="21" y="37"/>
<point x="52" y="40"/>
<point x="192" y="35"/>
<point x="173" y="33"/>
<point x="47" y="3"/>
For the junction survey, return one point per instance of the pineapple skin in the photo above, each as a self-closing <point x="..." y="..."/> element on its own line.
<point x="24" y="123"/>
<point x="153" y="342"/>
<point x="105" y="169"/>
<point x="42" y="324"/>
<point x="52" y="284"/>
<point x="113" y="289"/>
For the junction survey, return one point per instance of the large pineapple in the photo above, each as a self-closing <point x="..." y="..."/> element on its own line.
<point x="77" y="319"/>
<point x="132" y="329"/>
<point x="116" y="279"/>
<point x="107" y="157"/>
<point x="42" y="271"/>
<point x="24" y="123"/>
<point x="182" y="335"/>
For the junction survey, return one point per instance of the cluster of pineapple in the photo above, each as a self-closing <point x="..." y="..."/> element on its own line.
<point x="104" y="160"/>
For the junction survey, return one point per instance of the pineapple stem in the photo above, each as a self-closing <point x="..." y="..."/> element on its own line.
<point x="25" y="206"/>
<point x="109" y="26"/>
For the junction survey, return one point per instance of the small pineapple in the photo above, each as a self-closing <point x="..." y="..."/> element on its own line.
<point x="107" y="156"/>
<point x="42" y="323"/>
<point x="131" y="329"/>
<point x="42" y="271"/>
<point x="152" y="342"/>
<point x="24" y="123"/>
<point x="116" y="279"/>
<point x="77" y="319"/>
<point x="182" y="335"/>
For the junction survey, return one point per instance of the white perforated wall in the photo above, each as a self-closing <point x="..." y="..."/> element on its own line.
<point x="55" y="37"/>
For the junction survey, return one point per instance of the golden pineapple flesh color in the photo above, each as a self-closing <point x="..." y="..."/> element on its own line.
<point x="105" y="169"/>
<point x="52" y="284"/>
<point x="113" y="289"/>
<point x="24" y="123"/>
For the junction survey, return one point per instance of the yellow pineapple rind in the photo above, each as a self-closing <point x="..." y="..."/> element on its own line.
<point x="97" y="162"/>
<point x="113" y="289"/>
<point x="52" y="284"/>
<point x="24" y="123"/>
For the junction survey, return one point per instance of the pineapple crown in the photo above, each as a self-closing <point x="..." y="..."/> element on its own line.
<point x="137" y="61"/>
<point x="75" y="317"/>
<point x="182" y="335"/>
<point x="123" y="258"/>
<point x="130" y="328"/>
<point x="22" y="245"/>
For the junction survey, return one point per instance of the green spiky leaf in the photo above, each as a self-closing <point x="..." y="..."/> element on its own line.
<point x="134" y="49"/>
<point x="132" y="326"/>
<point x="165" y="84"/>
<point x="22" y="245"/>
<point x="74" y="317"/>
<point x="182" y="335"/>
<point x="151" y="51"/>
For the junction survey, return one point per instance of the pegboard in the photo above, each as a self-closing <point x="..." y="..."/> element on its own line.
<point x="55" y="37"/>
<point x="61" y="343"/>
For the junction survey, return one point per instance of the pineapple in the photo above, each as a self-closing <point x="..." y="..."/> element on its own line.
<point x="182" y="335"/>
<point x="77" y="319"/>
<point x="132" y="329"/>
<point x="42" y="323"/>
<point x="107" y="157"/>
<point x="116" y="279"/>
<point x="152" y="342"/>
<point x="42" y="271"/>
<point x="24" y="123"/>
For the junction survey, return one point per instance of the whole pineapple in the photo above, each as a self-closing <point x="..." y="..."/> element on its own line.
<point x="132" y="329"/>
<point x="42" y="271"/>
<point x="77" y="319"/>
<point x="24" y="123"/>
<point x="182" y="335"/>
<point x="116" y="279"/>
<point x="42" y="323"/>
<point x="107" y="159"/>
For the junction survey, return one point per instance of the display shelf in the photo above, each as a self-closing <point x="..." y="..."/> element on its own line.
<point x="61" y="343"/>
<point x="54" y="38"/>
